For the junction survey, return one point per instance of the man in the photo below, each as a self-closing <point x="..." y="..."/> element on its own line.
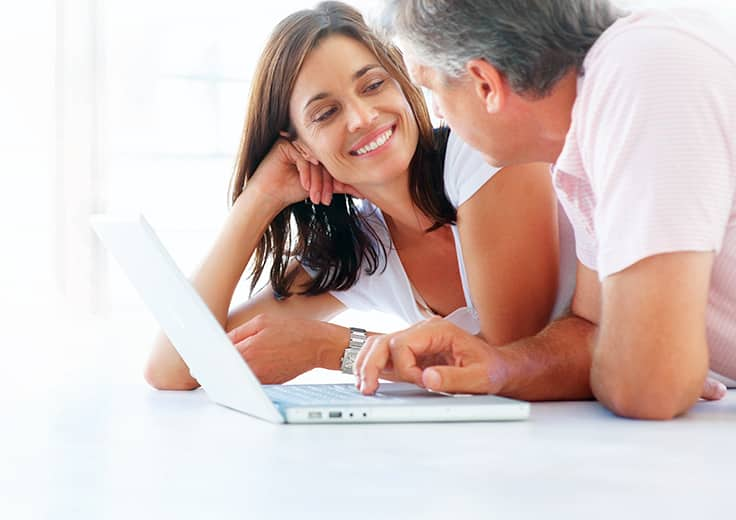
<point x="637" y="114"/>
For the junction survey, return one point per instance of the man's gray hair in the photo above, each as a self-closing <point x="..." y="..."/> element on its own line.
<point x="533" y="43"/>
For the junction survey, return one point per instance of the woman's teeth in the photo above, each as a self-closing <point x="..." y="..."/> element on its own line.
<point x="380" y="141"/>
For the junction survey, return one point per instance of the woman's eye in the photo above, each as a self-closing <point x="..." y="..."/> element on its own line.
<point x="324" y="115"/>
<point x="375" y="85"/>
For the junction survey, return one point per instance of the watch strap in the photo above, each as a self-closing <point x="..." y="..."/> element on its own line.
<point x="358" y="337"/>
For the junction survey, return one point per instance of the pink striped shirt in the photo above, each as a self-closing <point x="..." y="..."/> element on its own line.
<point x="649" y="163"/>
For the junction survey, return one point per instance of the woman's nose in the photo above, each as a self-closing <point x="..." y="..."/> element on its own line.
<point x="361" y="114"/>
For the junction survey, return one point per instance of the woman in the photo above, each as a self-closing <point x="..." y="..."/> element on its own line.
<point x="332" y="110"/>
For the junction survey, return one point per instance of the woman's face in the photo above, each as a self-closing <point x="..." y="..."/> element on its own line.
<point x="351" y="116"/>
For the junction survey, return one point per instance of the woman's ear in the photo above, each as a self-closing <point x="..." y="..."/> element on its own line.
<point x="304" y="151"/>
<point x="488" y="83"/>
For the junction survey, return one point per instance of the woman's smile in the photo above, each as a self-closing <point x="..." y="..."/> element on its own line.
<point x="375" y="142"/>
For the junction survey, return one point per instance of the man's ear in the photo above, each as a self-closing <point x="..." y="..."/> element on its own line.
<point x="489" y="84"/>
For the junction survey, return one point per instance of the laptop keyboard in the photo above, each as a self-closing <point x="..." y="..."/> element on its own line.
<point x="322" y="394"/>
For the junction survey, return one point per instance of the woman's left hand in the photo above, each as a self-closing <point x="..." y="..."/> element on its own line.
<point x="279" y="349"/>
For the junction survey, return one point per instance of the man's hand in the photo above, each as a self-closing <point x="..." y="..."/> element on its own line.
<point x="713" y="390"/>
<point x="434" y="354"/>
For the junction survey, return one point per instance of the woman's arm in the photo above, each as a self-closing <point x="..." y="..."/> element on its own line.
<point x="509" y="235"/>
<point x="274" y="185"/>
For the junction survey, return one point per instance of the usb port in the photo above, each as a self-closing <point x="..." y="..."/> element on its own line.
<point x="314" y="415"/>
<point x="335" y="415"/>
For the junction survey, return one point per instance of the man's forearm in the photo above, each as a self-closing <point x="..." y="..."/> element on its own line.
<point x="553" y="365"/>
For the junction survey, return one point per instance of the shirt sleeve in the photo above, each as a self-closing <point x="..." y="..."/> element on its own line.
<point x="657" y="145"/>
<point x="386" y="289"/>
<point x="362" y="295"/>
<point x="465" y="171"/>
<point x="576" y="201"/>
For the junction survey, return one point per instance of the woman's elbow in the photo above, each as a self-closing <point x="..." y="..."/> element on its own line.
<point x="161" y="380"/>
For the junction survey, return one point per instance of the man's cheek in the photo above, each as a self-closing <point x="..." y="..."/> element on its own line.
<point x="438" y="112"/>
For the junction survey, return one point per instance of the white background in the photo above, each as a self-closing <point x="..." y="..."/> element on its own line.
<point x="122" y="106"/>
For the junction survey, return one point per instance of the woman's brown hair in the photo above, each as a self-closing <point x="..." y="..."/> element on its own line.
<point x="333" y="241"/>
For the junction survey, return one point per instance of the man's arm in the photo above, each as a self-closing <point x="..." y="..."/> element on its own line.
<point x="553" y="365"/>
<point x="651" y="357"/>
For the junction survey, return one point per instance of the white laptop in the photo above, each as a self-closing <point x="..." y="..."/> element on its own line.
<point x="225" y="376"/>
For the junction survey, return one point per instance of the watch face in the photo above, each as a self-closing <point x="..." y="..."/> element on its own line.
<point x="348" y="360"/>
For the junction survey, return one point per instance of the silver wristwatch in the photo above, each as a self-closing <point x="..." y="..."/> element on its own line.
<point x="358" y="338"/>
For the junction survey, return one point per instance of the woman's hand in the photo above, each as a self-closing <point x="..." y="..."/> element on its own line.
<point x="279" y="349"/>
<point x="287" y="177"/>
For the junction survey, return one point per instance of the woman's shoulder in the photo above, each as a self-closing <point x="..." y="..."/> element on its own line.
<point x="465" y="170"/>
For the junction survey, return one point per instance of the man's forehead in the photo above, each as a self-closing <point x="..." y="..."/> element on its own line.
<point x="415" y="71"/>
<point x="418" y="72"/>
